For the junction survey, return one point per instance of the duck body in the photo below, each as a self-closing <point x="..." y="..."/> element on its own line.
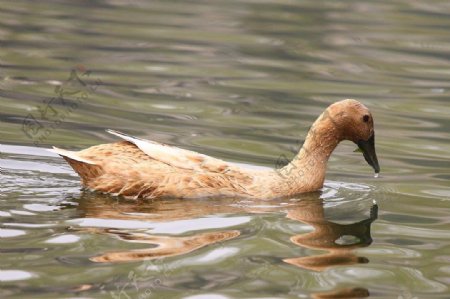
<point x="138" y="168"/>
<point x="122" y="168"/>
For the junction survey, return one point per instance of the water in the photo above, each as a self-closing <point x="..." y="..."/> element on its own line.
<point x="239" y="80"/>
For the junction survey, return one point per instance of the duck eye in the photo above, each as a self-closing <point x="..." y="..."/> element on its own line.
<point x="365" y="118"/>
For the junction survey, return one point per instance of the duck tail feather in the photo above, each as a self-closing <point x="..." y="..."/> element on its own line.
<point x="71" y="155"/>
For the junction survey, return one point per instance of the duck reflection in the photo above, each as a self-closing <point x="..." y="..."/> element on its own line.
<point x="99" y="206"/>
<point x="346" y="293"/>
<point x="103" y="206"/>
<point x="338" y="240"/>
<point x="165" y="246"/>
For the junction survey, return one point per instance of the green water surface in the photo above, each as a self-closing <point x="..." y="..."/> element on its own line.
<point x="242" y="81"/>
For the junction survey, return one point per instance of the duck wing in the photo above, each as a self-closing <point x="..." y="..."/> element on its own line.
<point x="175" y="156"/>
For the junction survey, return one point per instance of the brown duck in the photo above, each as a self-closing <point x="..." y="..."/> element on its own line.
<point x="138" y="168"/>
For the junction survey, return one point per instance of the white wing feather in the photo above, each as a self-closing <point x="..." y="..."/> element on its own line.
<point x="175" y="156"/>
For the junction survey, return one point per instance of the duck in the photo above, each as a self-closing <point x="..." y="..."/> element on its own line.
<point x="136" y="168"/>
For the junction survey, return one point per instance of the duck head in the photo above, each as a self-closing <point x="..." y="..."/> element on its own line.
<point x="355" y="123"/>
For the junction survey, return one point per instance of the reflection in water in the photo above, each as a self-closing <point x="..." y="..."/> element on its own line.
<point x="338" y="239"/>
<point x="95" y="205"/>
<point x="346" y="293"/>
<point x="166" y="245"/>
<point x="100" y="206"/>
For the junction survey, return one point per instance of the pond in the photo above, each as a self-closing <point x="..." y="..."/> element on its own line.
<point x="242" y="81"/>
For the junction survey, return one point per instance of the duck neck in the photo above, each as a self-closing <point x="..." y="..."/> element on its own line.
<point x="306" y="172"/>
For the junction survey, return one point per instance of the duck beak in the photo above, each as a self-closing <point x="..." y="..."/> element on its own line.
<point x="368" y="149"/>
